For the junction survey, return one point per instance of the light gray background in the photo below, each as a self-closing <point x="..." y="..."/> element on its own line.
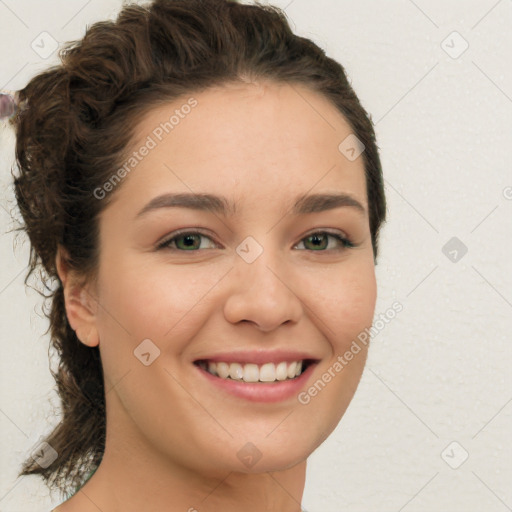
<point x="440" y="371"/>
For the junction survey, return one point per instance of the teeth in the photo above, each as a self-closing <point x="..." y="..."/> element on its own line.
<point x="222" y="370"/>
<point x="251" y="373"/>
<point x="268" y="372"/>
<point x="282" y="371"/>
<point x="236" y="371"/>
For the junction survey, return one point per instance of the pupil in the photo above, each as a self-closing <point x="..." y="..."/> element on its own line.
<point x="317" y="240"/>
<point x="188" y="240"/>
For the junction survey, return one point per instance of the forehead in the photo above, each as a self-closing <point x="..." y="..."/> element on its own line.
<point x="261" y="141"/>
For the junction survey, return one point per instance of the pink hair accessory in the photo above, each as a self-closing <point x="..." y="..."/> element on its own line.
<point x="8" y="104"/>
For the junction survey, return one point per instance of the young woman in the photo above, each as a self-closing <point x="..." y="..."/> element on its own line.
<point x="202" y="190"/>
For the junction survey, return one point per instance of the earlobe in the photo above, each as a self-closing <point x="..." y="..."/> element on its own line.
<point x="79" y="303"/>
<point x="83" y="310"/>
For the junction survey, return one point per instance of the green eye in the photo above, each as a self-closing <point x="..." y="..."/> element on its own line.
<point x="315" y="242"/>
<point x="187" y="241"/>
<point x="320" y="241"/>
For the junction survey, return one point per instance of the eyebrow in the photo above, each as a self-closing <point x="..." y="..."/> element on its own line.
<point x="304" y="204"/>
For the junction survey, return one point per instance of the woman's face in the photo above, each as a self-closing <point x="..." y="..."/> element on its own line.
<point x="250" y="285"/>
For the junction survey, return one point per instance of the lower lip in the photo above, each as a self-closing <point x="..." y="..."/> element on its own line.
<point x="277" y="391"/>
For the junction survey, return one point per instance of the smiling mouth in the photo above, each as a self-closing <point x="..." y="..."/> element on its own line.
<point x="250" y="372"/>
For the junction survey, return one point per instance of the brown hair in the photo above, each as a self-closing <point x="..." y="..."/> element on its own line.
<point x="70" y="141"/>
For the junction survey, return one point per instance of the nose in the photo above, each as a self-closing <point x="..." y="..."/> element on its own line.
<point x="263" y="293"/>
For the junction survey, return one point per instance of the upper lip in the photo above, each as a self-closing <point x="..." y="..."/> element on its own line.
<point x="258" y="356"/>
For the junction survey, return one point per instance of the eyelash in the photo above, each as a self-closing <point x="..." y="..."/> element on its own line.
<point x="345" y="241"/>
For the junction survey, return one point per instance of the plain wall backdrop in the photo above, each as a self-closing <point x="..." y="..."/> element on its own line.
<point x="430" y="426"/>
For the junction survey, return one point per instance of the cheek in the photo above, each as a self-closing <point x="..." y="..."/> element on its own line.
<point x="161" y="303"/>
<point x="343" y="301"/>
<point x="346" y="305"/>
<point x="158" y="302"/>
<point x="357" y="303"/>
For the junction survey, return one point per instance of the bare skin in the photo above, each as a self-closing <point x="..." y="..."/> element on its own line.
<point x="174" y="439"/>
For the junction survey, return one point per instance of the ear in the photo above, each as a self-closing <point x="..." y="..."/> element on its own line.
<point x="81" y="305"/>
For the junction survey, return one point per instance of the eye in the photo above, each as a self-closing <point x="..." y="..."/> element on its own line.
<point x="319" y="241"/>
<point x="184" y="241"/>
<point x="191" y="241"/>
